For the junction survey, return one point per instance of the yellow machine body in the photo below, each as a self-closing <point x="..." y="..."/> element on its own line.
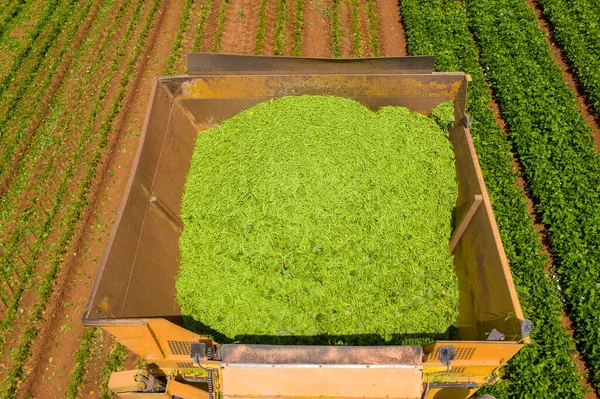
<point x="134" y="295"/>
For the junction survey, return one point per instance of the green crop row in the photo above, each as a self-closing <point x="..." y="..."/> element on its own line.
<point x="543" y="368"/>
<point x="261" y="28"/>
<point x="373" y="29"/>
<point x="89" y="342"/>
<point x="29" y="41"/>
<point x="298" y="28"/>
<point x="336" y="34"/>
<point x="201" y="27"/>
<point x="29" y="84"/>
<point x="220" y="25"/>
<point x="280" y="27"/>
<point x="45" y="288"/>
<point x="114" y="362"/>
<point x="9" y="14"/>
<point x="556" y="148"/>
<point x="576" y="27"/>
<point x="175" y="54"/>
<point x="30" y="221"/>
<point x="356" y="40"/>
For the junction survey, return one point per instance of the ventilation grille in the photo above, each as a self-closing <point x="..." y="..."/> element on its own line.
<point x="462" y="353"/>
<point x="191" y="365"/>
<point x="180" y="347"/>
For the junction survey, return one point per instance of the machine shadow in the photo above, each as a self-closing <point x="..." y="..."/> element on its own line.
<point x="413" y="339"/>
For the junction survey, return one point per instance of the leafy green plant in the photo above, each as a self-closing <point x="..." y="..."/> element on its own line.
<point x="73" y="212"/>
<point x="88" y="341"/>
<point x="556" y="149"/>
<point x="114" y="362"/>
<point x="356" y="39"/>
<point x="280" y="27"/>
<point x="175" y="54"/>
<point x="30" y="41"/>
<point x="576" y="27"/>
<point x="439" y="27"/>
<point x="336" y="34"/>
<point x="260" y="29"/>
<point x="373" y="27"/>
<point x="220" y="25"/>
<point x="298" y="28"/>
<point x="206" y="8"/>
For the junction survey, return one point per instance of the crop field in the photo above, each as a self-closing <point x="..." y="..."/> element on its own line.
<point x="75" y="79"/>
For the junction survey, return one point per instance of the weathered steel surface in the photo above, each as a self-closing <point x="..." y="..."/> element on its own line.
<point x="225" y="64"/>
<point x="365" y="355"/>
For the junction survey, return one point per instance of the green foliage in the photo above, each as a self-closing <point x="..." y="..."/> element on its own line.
<point x="443" y="114"/>
<point x="72" y="213"/>
<point x="576" y="27"/>
<point x="321" y="218"/>
<point x="175" y="54"/>
<point x="543" y="368"/>
<point x="114" y="362"/>
<point x="556" y="149"/>
<point x="373" y="27"/>
<point x="201" y="26"/>
<point x="30" y="85"/>
<point x="336" y="34"/>
<point x="280" y="27"/>
<point x="89" y="339"/>
<point x="298" y="28"/>
<point x="356" y="41"/>
<point x="30" y="41"/>
<point x="260" y="29"/>
<point x="220" y="25"/>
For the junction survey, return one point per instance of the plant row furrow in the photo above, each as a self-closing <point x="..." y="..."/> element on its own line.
<point x="75" y="208"/>
<point x="356" y="39"/>
<point x="13" y="98"/>
<point x="543" y="368"/>
<point x="31" y="219"/>
<point x="29" y="41"/>
<point x="222" y="17"/>
<point x="41" y="156"/>
<point x="298" y="28"/>
<point x="373" y="27"/>
<point x="205" y="10"/>
<point x="280" y="32"/>
<point x="9" y="14"/>
<point x="577" y="29"/>
<point x="175" y="54"/>
<point x="261" y="28"/>
<point x="336" y="34"/>
<point x="556" y="149"/>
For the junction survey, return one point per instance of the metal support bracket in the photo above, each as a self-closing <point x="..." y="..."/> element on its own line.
<point x="462" y="226"/>
<point x="167" y="211"/>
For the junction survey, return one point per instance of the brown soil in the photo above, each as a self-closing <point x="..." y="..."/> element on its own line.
<point x="289" y="27"/>
<point x="345" y="15"/>
<point x="363" y="18"/>
<point x="270" y="25"/>
<point x="29" y="299"/>
<point x="74" y="282"/>
<point x="391" y="30"/>
<point x="560" y="57"/>
<point x="317" y="31"/>
<point x="211" y="27"/>
<point x="239" y="33"/>
<point x="543" y="234"/>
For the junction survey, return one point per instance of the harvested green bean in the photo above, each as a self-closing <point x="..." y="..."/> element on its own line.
<point x="312" y="219"/>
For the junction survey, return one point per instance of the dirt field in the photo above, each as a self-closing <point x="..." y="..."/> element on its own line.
<point x="82" y="91"/>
